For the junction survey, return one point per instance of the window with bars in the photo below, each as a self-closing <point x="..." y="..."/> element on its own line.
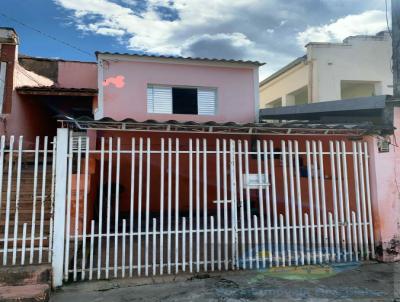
<point x="181" y="100"/>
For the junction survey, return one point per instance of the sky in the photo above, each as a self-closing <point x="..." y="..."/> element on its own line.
<point x="270" y="31"/>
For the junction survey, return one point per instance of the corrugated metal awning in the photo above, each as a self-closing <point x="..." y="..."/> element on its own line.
<point x="355" y="129"/>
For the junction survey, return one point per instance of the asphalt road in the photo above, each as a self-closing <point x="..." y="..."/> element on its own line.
<point x="367" y="282"/>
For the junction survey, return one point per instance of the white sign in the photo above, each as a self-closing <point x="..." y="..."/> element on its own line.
<point x="254" y="182"/>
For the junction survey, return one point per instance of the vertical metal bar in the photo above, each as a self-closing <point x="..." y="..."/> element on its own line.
<point x="267" y="201"/>
<point x="242" y="225"/>
<point x="140" y="188"/>
<point x="52" y="198"/>
<point x="190" y="205"/>
<point x="43" y="199"/>
<point x="299" y="202"/>
<point x="317" y="201"/>
<point x="347" y="203"/>
<point x="311" y="201"/>
<point x="100" y="223"/>
<point x="108" y="206"/>
<point x="363" y="201"/>
<point x="248" y="205"/>
<point x="154" y="249"/>
<point x="23" y="248"/>
<point x="33" y="225"/>
<point x="183" y="244"/>
<point x="205" y="205"/>
<point x="176" y="205"/>
<point x="169" y="205"/>
<point x="282" y="232"/>
<point x="85" y="193"/>
<point x="307" y="230"/>
<point x="50" y="246"/>
<point x="218" y="177"/>
<point x="234" y="221"/>
<point x="358" y="208"/>
<point x="261" y="184"/>
<point x="147" y="206"/>
<point x="341" y="207"/>
<point x="123" y="248"/>
<point x="292" y="203"/>
<point x="256" y="241"/>
<point x="353" y="223"/>
<point x="16" y="214"/>
<point x="212" y="242"/>
<point x="323" y="200"/>
<point x="225" y="184"/>
<point x="335" y="207"/>
<point x="69" y="201"/>
<point x="197" y="205"/>
<point x="286" y="197"/>
<point x="331" y="238"/>
<point x="9" y="188"/>
<point x="57" y="259"/>
<point x="274" y="207"/>
<point x="91" y="250"/>
<point x="2" y="146"/>
<point x="132" y="206"/>
<point x="162" y="173"/>
<point x="371" y="226"/>
<point x="116" y="208"/>
<point x="77" y="206"/>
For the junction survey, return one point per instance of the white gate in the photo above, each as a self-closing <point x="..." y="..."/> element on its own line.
<point x="26" y="200"/>
<point x="144" y="207"/>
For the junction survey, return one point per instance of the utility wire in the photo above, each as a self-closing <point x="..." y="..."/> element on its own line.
<point x="46" y="34"/>
<point x="387" y="19"/>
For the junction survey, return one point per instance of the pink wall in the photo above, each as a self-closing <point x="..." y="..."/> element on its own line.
<point x="385" y="191"/>
<point x="235" y="90"/>
<point x="77" y="74"/>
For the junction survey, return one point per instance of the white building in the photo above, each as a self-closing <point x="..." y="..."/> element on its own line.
<point x="358" y="67"/>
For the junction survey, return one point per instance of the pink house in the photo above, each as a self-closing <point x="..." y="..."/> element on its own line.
<point x="146" y="87"/>
<point x="170" y="140"/>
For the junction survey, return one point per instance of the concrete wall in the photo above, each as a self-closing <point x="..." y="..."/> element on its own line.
<point x="280" y="87"/>
<point x="236" y="85"/>
<point x="77" y="74"/>
<point x="358" y="59"/>
<point x="385" y="194"/>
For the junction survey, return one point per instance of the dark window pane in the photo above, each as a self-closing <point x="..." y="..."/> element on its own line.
<point x="184" y="101"/>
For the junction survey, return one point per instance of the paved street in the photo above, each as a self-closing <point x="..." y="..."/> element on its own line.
<point x="369" y="282"/>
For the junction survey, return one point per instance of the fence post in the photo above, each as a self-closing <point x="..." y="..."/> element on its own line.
<point x="59" y="207"/>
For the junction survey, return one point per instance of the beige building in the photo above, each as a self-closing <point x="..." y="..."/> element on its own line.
<point x="358" y="67"/>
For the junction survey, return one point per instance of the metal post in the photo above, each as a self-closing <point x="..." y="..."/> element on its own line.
<point x="396" y="46"/>
<point x="59" y="206"/>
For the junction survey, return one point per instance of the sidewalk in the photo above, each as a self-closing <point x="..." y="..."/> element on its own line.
<point x="368" y="282"/>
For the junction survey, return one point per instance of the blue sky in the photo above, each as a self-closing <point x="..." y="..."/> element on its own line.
<point x="272" y="31"/>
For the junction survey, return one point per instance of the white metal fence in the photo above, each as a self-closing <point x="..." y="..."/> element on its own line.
<point x="168" y="205"/>
<point x="26" y="201"/>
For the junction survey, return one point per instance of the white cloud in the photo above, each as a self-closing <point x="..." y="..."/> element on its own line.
<point x="267" y="31"/>
<point x="366" y="23"/>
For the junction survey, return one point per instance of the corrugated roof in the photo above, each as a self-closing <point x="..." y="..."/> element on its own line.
<point x="299" y="127"/>
<point x="181" y="58"/>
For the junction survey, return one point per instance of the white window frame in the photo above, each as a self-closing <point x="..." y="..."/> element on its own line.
<point x="150" y="98"/>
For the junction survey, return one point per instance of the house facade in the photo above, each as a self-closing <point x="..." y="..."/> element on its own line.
<point x="162" y="165"/>
<point x="184" y="89"/>
<point x="358" y="67"/>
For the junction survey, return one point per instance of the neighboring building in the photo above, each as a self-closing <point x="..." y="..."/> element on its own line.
<point x="35" y="92"/>
<point x="162" y="88"/>
<point x="358" y="67"/>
